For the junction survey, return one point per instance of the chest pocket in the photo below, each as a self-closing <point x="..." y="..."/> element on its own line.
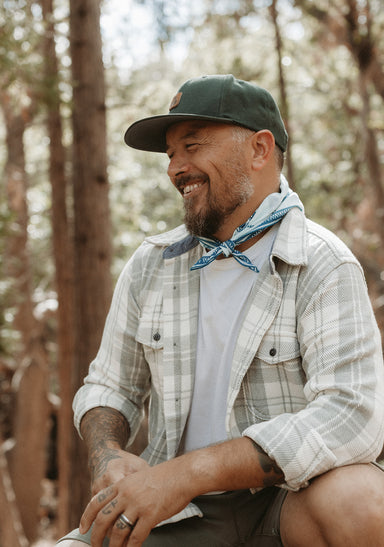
<point x="274" y="383"/>
<point x="150" y="334"/>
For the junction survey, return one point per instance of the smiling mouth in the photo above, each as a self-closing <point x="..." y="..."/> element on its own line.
<point x="189" y="188"/>
<point x="189" y="184"/>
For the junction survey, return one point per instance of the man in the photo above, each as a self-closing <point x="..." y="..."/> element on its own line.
<point x="251" y="331"/>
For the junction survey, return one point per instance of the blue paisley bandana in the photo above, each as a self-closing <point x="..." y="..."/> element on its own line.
<point x="271" y="210"/>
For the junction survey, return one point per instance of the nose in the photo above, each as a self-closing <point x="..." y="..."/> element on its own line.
<point x="178" y="165"/>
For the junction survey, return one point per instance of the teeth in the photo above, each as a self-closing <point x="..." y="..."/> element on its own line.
<point x="190" y="187"/>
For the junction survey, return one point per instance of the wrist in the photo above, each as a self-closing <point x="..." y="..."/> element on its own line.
<point x="100" y="455"/>
<point x="202" y="471"/>
<point x="232" y="465"/>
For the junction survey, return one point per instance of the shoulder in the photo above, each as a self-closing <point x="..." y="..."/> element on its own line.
<point x="331" y="265"/>
<point x="327" y="246"/>
<point x="315" y="257"/>
<point x="303" y="243"/>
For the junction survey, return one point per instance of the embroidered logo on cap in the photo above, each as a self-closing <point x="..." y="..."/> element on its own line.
<point x="175" y="101"/>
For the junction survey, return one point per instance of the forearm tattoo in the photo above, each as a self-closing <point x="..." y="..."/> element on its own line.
<point x="273" y="473"/>
<point x="98" y="427"/>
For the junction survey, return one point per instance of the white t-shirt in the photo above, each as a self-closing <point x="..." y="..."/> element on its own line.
<point x="224" y="288"/>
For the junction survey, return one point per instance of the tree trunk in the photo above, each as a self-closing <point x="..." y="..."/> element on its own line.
<point x="283" y="94"/>
<point x="372" y="157"/>
<point x="63" y="257"/>
<point x="93" y="286"/>
<point x="27" y="458"/>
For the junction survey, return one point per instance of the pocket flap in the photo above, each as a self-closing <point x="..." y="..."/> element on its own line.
<point x="150" y="333"/>
<point x="278" y="349"/>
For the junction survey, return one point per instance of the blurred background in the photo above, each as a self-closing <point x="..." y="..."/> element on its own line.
<point x="75" y="201"/>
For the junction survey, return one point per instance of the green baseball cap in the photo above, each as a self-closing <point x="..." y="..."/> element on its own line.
<point x="216" y="98"/>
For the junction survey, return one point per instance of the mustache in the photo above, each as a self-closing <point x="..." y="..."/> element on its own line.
<point x="181" y="181"/>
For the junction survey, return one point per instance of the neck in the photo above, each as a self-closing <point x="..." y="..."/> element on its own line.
<point x="244" y="211"/>
<point x="226" y="230"/>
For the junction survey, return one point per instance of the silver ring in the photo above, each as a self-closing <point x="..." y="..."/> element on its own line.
<point x="125" y="520"/>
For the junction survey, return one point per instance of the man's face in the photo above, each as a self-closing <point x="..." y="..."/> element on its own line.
<point x="208" y="166"/>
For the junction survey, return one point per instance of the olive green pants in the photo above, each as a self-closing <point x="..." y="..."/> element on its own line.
<point x="231" y="519"/>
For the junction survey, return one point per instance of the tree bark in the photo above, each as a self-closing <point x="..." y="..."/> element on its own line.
<point x="27" y="458"/>
<point x="283" y="93"/>
<point x="93" y="287"/>
<point x="63" y="257"/>
<point x="372" y="157"/>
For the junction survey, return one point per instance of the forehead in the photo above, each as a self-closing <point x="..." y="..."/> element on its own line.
<point x="185" y="130"/>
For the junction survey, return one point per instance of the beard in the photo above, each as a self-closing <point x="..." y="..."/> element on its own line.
<point x="204" y="223"/>
<point x="236" y="190"/>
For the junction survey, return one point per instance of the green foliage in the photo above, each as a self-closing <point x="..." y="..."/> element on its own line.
<point x="19" y="41"/>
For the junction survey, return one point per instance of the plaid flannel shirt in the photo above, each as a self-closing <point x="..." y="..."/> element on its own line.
<point x="307" y="381"/>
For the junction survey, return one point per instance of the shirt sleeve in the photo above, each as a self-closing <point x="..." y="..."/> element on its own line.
<point x="343" y="422"/>
<point x="119" y="376"/>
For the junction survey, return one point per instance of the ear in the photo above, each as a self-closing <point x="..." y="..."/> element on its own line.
<point x="263" y="145"/>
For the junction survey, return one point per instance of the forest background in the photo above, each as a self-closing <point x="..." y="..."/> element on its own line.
<point x="75" y="201"/>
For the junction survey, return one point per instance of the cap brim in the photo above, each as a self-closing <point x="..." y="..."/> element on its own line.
<point x="150" y="133"/>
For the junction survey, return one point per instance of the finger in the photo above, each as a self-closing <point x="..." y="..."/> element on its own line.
<point x="121" y="531"/>
<point x="109" y="532"/>
<point x="104" y="522"/>
<point x="94" y="506"/>
<point x="139" y="533"/>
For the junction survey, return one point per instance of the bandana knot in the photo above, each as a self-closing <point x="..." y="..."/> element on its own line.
<point x="227" y="247"/>
<point x="271" y="210"/>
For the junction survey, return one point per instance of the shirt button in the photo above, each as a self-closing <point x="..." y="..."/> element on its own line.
<point x="272" y="352"/>
<point x="156" y="336"/>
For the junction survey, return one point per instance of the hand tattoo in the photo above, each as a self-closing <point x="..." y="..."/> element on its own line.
<point x="104" y="494"/>
<point x="108" y="509"/>
<point x="100" y="458"/>
<point x="121" y="525"/>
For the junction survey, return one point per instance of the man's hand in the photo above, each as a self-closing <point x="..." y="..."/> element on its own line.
<point x="153" y="494"/>
<point x="110" y="465"/>
<point x="146" y="498"/>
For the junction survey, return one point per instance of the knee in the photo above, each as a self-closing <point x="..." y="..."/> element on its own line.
<point x="349" y="503"/>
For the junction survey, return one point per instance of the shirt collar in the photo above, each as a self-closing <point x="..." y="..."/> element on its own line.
<point x="290" y="244"/>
